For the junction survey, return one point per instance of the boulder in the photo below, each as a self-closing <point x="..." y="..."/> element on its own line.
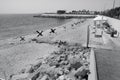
<point x="82" y="73"/>
<point x="45" y="77"/>
<point x="20" y="77"/>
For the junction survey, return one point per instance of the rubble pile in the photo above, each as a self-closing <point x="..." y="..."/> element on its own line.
<point x="71" y="62"/>
<point x="65" y="64"/>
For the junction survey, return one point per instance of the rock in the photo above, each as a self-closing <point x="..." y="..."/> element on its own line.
<point x="66" y="71"/>
<point x="62" y="77"/>
<point x="53" y="63"/>
<point x="76" y="65"/>
<point x="64" y="63"/>
<point x="2" y="79"/>
<point x="45" y="77"/>
<point x="82" y="73"/>
<point x="31" y="70"/>
<point x="20" y="76"/>
<point x="35" y="76"/>
<point x="23" y="71"/>
<point x="37" y="66"/>
<point x="40" y="76"/>
<point x="69" y="79"/>
<point x="63" y="57"/>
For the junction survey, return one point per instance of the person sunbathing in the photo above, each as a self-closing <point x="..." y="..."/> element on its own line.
<point x="39" y="33"/>
<point x="22" y="38"/>
<point x="52" y="31"/>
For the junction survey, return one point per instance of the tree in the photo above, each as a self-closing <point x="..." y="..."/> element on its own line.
<point x="115" y="13"/>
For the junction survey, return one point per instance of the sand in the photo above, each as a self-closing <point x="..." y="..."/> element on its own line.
<point x="16" y="55"/>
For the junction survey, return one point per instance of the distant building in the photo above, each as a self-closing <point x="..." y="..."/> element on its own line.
<point x="61" y="12"/>
<point x="82" y="12"/>
<point x="92" y="12"/>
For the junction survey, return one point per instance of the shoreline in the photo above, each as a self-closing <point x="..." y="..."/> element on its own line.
<point x="31" y="35"/>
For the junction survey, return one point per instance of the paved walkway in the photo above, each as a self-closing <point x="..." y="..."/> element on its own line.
<point x="108" y="64"/>
<point x="107" y="53"/>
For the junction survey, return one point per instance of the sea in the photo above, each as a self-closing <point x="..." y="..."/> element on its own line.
<point x="14" y="25"/>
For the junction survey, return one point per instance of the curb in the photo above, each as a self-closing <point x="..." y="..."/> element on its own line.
<point x="93" y="69"/>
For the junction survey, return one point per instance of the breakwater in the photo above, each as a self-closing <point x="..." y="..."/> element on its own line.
<point x="13" y="25"/>
<point x="65" y="16"/>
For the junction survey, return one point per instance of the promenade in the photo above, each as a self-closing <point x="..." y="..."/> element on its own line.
<point x="108" y="60"/>
<point x="107" y="54"/>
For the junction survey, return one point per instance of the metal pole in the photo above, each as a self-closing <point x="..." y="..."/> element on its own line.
<point x="88" y="34"/>
<point x="113" y="4"/>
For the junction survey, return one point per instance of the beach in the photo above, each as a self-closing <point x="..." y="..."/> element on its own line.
<point x="59" y="53"/>
<point x="17" y="53"/>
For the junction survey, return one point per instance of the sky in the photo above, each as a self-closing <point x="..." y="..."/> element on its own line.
<point x="40" y="6"/>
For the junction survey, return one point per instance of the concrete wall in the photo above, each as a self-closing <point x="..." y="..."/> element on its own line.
<point x="93" y="71"/>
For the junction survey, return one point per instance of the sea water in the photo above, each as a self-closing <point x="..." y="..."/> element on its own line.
<point x="13" y="25"/>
